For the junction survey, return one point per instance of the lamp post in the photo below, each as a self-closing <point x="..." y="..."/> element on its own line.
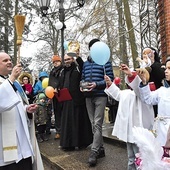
<point x="62" y="18"/>
<point x="44" y="6"/>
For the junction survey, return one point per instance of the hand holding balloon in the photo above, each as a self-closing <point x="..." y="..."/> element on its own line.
<point x="117" y="80"/>
<point x="107" y="80"/>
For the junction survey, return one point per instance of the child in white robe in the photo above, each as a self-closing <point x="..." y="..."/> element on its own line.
<point x="131" y="112"/>
<point x="160" y="97"/>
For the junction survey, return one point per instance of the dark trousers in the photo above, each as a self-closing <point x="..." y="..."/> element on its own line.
<point x="48" y="123"/>
<point x="41" y="129"/>
<point x="112" y="113"/>
<point x="24" y="164"/>
<point x="113" y="107"/>
<point x="57" y="113"/>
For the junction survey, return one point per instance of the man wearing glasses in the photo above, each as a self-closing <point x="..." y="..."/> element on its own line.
<point x="75" y="124"/>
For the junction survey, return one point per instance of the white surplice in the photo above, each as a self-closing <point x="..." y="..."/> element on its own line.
<point x="160" y="97"/>
<point x="131" y="111"/>
<point x="22" y="133"/>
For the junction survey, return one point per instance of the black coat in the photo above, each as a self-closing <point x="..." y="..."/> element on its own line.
<point x="157" y="74"/>
<point x="70" y="78"/>
<point x="54" y="76"/>
<point x="75" y="124"/>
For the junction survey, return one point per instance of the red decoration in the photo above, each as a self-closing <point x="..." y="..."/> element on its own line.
<point x="116" y="80"/>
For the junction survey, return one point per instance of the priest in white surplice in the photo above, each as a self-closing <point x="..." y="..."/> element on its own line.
<point x="131" y="112"/>
<point x="18" y="145"/>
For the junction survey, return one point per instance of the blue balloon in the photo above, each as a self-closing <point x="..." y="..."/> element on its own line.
<point x="100" y="53"/>
<point x="65" y="45"/>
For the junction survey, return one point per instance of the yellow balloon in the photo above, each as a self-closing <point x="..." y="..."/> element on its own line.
<point x="45" y="82"/>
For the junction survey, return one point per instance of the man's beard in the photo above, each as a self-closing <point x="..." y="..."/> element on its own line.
<point x="68" y="65"/>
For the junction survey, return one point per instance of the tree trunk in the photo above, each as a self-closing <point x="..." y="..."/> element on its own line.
<point x="122" y="40"/>
<point x="131" y="32"/>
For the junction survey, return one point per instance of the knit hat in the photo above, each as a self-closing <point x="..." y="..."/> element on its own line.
<point x="41" y="96"/>
<point x="56" y="58"/>
<point x="92" y="42"/>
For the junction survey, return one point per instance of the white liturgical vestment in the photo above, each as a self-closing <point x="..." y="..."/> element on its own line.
<point x="131" y="111"/>
<point x="17" y="135"/>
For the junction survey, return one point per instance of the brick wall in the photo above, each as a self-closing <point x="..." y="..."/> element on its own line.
<point x="164" y="27"/>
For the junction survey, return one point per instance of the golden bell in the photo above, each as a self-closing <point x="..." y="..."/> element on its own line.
<point x="73" y="48"/>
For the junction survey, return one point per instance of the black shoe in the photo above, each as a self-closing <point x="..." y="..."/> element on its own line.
<point x="68" y="148"/>
<point x="93" y="158"/>
<point x="101" y="152"/>
<point x="82" y="147"/>
<point x="44" y="137"/>
<point x="39" y="138"/>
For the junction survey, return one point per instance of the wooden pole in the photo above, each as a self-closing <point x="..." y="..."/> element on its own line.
<point x="19" y="24"/>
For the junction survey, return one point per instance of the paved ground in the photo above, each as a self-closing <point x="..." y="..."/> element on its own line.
<point x="55" y="158"/>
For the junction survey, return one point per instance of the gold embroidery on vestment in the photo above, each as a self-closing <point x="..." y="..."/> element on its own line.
<point x="9" y="148"/>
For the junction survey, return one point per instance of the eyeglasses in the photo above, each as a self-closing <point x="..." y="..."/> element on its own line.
<point x="67" y="59"/>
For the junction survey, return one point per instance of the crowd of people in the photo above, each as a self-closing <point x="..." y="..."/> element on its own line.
<point x="147" y="89"/>
<point x="79" y="119"/>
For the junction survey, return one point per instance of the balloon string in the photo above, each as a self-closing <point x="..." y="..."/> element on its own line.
<point x="104" y="70"/>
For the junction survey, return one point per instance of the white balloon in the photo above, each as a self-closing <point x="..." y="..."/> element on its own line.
<point x="59" y="25"/>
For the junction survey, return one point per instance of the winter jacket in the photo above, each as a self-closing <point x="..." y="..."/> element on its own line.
<point x="38" y="86"/>
<point x="93" y="72"/>
<point x="54" y="77"/>
<point x="41" y="115"/>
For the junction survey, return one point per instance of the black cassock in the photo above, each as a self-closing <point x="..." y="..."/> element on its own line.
<point x="75" y="124"/>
